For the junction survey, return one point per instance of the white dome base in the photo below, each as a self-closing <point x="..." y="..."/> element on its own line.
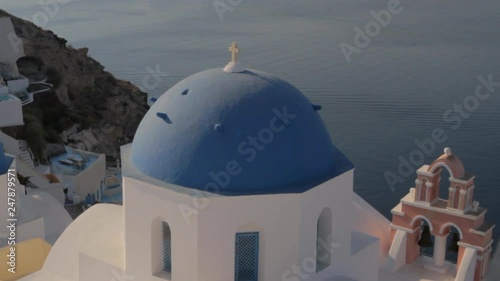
<point x="233" y="67"/>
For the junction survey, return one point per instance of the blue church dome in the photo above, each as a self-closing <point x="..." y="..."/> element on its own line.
<point x="236" y="134"/>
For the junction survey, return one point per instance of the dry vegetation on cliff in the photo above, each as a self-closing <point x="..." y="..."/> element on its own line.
<point x="88" y="108"/>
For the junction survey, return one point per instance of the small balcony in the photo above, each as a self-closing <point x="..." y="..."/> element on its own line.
<point x="22" y="88"/>
<point x="17" y="84"/>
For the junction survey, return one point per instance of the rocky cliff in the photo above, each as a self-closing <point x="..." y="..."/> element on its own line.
<point x="88" y="107"/>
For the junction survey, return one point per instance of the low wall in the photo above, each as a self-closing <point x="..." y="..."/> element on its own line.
<point x="89" y="181"/>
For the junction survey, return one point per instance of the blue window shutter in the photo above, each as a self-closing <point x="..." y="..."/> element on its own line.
<point x="167" y="247"/>
<point x="247" y="256"/>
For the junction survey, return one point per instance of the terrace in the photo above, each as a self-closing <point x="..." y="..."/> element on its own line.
<point x="13" y="83"/>
<point x="22" y="88"/>
<point x="82" y="173"/>
<point x="72" y="162"/>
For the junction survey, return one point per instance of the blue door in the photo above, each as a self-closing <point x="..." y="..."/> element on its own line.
<point x="246" y="266"/>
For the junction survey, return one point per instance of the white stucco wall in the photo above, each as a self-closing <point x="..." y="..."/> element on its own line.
<point x="366" y="256"/>
<point x="468" y="265"/>
<point x="32" y="229"/>
<point x="89" y="181"/>
<point x="275" y="217"/>
<point x="11" y="46"/>
<point x="396" y="258"/>
<point x="38" y="213"/>
<point x="56" y="190"/>
<point x="18" y="85"/>
<point x="145" y="207"/>
<point x="93" y="229"/>
<point x="11" y="145"/>
<point x="367" y="219"/>
<point x="40" y="204"/>
<point x="203" y="243"/>
<point x="335" y="194"/>
<point x="11" y="113"/>
<point x="128" y="240"/>
<point x="96" y="269"/>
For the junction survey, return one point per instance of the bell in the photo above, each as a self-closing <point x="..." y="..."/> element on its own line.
<point x="425" y="239"/>
<point x="454" y="243"/>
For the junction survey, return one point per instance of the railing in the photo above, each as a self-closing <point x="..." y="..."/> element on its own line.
<point x="19" y="88"/>
<point x="27" y="101"/>
<point x="44" y="83"/>
<point x="24" y="96"/>
<point x="30" y="98"/>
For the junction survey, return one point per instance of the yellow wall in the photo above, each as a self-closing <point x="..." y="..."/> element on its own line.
<point x="30" y="257"/>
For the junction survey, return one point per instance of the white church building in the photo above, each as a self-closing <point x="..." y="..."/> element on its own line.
<point x="232" y="176"/>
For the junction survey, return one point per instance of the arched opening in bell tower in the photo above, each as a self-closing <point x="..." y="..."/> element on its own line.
<point x="426" y="238"/>
<point x="454" y="235"/>
<point x="444" y="183"/>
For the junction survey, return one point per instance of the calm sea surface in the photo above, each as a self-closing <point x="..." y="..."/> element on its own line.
<point x="393" y="92"/>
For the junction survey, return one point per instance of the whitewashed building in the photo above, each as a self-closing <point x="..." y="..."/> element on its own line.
<point x="232" y="176"/>
<point x="39" y="214"/>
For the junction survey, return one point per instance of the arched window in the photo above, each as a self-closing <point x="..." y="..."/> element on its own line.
<point x="323" y="240"/>
<point x="167" y="248"/>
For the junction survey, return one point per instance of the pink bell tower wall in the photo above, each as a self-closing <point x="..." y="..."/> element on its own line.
<point x="458" y="211"/>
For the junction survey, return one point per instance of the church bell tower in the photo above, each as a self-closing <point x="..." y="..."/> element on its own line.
<point x="422" y="219"/>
